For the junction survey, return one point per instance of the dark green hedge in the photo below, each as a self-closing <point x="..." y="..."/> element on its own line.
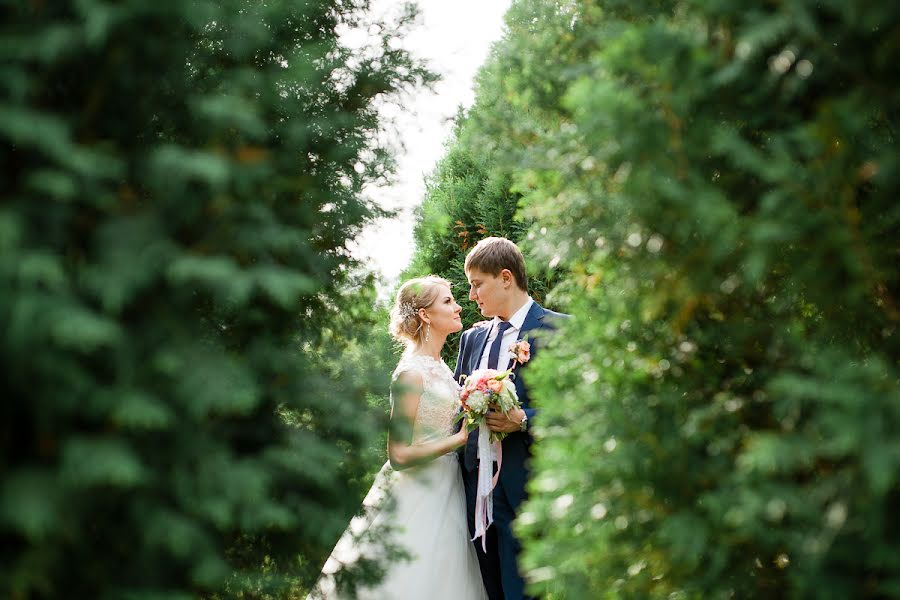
<point x="179" y="182"/>
<point x="718" y="184"/>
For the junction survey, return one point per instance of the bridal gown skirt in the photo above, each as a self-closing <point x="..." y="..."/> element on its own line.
<point x="424" y="509"/>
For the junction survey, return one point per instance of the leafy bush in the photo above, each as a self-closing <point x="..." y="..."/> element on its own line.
<point x="180" y="179"/>
<point x="718" y="183"/>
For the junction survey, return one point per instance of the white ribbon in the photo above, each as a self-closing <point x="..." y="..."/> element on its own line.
<point x="488" y="453"/>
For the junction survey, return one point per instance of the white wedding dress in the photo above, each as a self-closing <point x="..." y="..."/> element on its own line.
<point x="423" y="506"/>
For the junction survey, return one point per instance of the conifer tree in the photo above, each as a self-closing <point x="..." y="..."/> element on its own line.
<point x="179" y="183"/>
<point x="718" y="181"/>
<point x="469" y="197"/>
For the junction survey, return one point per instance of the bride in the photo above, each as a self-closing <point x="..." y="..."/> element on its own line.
<point x="419" y="492"/>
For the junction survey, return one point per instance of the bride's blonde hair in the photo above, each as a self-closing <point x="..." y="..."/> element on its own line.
<point x="406" y="326"/>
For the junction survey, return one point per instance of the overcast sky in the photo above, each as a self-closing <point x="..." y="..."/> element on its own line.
<point x="454" y="37"/>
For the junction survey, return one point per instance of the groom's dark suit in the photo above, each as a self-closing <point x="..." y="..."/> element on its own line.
<point x="498" y="566"/>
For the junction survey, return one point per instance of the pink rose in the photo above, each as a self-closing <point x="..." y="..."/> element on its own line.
<point x="495" y="386"/>
<point x="522" y="351"/>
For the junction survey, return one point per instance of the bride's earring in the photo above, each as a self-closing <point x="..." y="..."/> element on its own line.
<point x="427" y="332"/>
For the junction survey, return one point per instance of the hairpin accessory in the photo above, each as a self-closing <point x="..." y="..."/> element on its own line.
<point x="407" y="310"/>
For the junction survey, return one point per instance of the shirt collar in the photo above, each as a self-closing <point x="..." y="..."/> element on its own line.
<point x="518" y="318"/>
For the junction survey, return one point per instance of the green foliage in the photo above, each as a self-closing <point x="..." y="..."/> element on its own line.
<point x="469" y="197"/>
<point x="718" y="182"/>
<point x="185" y="395"/>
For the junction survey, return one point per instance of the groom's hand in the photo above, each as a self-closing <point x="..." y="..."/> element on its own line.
<point x="506" y="422"/>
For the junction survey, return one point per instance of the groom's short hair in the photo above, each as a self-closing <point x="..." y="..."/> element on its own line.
<point x="492" y="255"/>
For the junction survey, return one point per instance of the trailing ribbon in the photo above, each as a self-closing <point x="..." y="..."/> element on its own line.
<point x="488" y="453"/>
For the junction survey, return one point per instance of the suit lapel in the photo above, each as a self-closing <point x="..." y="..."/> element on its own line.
<point x="533" y="320"/>
<point x="480" y="341"/>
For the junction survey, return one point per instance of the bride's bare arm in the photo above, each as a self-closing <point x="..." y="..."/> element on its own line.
<point x="407" y="391"/>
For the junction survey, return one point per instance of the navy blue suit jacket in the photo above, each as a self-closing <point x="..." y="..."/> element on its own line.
<point x="516" y="445"/>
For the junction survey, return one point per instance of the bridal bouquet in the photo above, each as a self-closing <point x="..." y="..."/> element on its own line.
<point x="485" y="390"/>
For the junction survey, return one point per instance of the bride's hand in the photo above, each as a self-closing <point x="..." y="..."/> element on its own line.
<point x="461" y="436"/>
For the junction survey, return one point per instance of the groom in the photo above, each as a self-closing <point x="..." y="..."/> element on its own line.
<point x="495" y="269"/>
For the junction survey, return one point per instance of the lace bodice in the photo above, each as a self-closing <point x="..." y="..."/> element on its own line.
<point x="439" y="403"/>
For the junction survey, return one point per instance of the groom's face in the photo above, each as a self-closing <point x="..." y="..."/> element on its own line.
<point x="488" y="291"/>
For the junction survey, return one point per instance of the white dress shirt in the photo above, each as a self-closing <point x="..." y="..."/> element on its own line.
<point x="510" y="337"/>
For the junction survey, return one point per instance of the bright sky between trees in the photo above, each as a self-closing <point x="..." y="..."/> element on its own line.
<point x="454" y="38"/>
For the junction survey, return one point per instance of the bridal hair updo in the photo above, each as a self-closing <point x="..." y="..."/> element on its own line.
<point x="406" y="325"/>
